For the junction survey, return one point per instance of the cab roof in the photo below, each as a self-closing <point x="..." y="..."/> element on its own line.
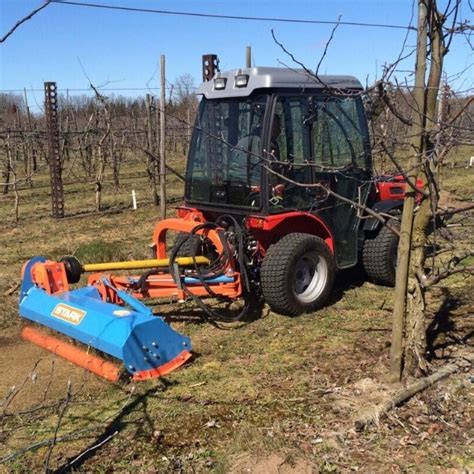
<point x="272" y="78"/>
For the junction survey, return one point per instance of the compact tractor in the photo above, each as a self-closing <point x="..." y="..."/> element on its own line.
<point x="278" y="176"/>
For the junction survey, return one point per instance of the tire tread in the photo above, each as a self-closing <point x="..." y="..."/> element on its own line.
<point x="274" y="273"/>
<point x="376" y="257"/>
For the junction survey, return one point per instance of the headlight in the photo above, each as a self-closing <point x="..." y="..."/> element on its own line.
<point x="241" y="80"/>
<point x="219" y="83"/>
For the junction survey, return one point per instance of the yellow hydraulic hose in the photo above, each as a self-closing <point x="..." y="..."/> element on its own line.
<point x="137" y="264"/>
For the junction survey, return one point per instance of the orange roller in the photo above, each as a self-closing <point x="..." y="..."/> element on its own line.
<point x="73" y="354"/>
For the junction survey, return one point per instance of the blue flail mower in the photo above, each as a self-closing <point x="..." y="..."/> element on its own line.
<point x="146" y="345"/>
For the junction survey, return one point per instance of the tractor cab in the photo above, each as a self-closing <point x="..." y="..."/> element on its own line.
<point x="266" y="138"/>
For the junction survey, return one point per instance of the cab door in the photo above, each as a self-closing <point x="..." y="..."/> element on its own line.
<point x="341" y="161"/>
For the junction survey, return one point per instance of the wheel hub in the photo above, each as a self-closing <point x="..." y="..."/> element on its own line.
<point x="310" y="276"/>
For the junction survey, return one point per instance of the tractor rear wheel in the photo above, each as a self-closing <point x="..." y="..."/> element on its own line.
<point x="297" y="274"/>
<point x="379" y="255"/>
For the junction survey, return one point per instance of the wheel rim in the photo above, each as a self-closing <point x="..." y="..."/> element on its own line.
<point x="310" y="277"/>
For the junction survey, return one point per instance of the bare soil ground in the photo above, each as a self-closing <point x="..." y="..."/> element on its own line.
<point x="274" y="395"/>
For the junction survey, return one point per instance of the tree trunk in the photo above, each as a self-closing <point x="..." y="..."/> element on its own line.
<point x="7" y="168"/>
<point x="415" y="346"/>
<point x="410" y="290"/>
<point x="415" y="339"/>
<point x="98" y="196"/>
<point x="404" y="246"/>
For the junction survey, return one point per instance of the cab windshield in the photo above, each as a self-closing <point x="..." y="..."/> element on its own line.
<point x="224" y="164"/>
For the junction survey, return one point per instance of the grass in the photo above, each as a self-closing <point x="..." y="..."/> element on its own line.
<point x="99" y="251"/>
<point x="275" y="385"/>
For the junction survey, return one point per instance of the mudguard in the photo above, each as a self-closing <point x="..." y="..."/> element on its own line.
<point x="386" y="207"/>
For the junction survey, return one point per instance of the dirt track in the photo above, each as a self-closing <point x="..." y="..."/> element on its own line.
<point x="41" y="375"/>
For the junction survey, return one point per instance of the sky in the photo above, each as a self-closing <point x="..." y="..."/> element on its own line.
<point x="121" y="50"/>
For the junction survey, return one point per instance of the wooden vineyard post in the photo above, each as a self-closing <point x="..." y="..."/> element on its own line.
<point x="153" y="167"/>
<point x="162" y="139"/>
<point x="55" y="164"/>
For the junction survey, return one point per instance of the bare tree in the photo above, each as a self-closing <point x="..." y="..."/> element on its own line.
<point x="409" y="119"/>
<point x="429" y="146"/>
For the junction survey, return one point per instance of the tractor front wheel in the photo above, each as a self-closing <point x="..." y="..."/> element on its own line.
<point x="194" y="245"/>
<point x="189" y="245"/>
<point x="297" y="274"/>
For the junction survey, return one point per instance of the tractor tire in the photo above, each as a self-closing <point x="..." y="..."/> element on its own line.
<point x="194" y="245"/>
<point x="297" y="274"/>
<point x="379" y="256"/>
<point x="187" y="248"/>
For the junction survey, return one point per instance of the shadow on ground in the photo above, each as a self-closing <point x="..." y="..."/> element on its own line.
<point x="445" y="332"/>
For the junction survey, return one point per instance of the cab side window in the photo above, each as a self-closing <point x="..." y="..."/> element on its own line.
<point x="336" y="133"/>
<point x="289" y="155"/>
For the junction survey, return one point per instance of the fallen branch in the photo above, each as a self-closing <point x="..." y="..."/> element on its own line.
<point x="373" y="415"/>
<point x="83" y="433"/>
<point x="12" y="289"/>
<point x="14" y="391"/>
<point x="41" y="444"/>
<point x="451" y="212"/>
<point x="87" y="451"/>
<point x="58" y="425"/>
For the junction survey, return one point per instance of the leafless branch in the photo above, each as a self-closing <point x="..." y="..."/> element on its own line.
<point x="328" y="42"/>
<point x="168" y="167"/>
<point x="307" y="71"/>
<point x="23" y="20"/>
<point x="403" y="173"/>
<point x="451" y="268"/>
<point x="384" y="96"/>
<point x="368" y="210"/>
